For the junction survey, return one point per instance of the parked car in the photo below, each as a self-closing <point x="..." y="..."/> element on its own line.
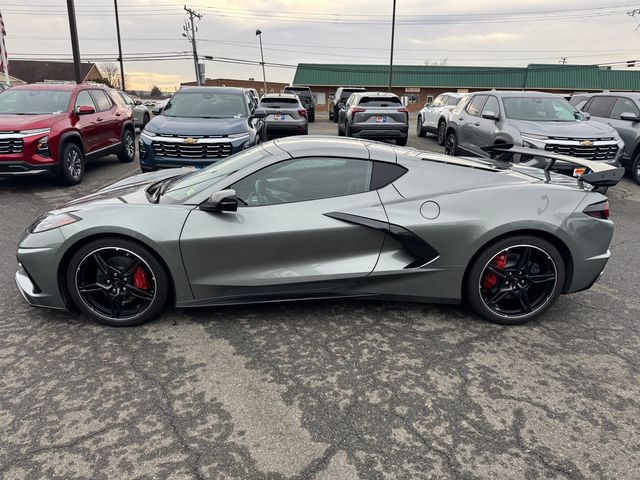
<point x="377" y="115"/>
<point x="141" y="115"/>
<point x="199" y="126"/>
<point x="54" y="128"/>
<point x="306" y="98"/>
<point x="433" y="117"/>
<point x="620" y="110"/>
<point x="340" y="98"/>
<point x="532" y="119"/>
<point x="324" y="217"/>
<point x="285" y="115"/>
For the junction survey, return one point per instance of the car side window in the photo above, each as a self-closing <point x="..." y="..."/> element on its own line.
<point x="624" y="105"/>
<point x="304" y="179"/>
<point x="475" y="105"/>
<point x="453" y="101"/>
<point x="84" y="99"/>
<point x="599" y="106"/>
<point x="491" y="105"/>
<point x="128" y="100"/>
<point x="101" y="100"/>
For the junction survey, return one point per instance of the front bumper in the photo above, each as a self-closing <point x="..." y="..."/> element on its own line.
<point x="597" y="151"/>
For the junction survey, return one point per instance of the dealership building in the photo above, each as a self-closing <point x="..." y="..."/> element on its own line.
<point x="420" y="84"/>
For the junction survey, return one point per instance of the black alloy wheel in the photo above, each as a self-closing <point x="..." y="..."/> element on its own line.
<point x="442" y="129"/>
<point x="128" y="152"/>
<point x="516" y="280"/>
<point x="635" y="169"/>
<point x="71" y="164"/>
<point x="451" y="145"/>
<point x="117" y="282"/>
<point x="420" y="131"/>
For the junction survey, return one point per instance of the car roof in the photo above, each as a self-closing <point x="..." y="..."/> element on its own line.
<point x="57" y="86"/>
<point x="280" y="95"/>
<point x="375" y="94"/>
<point x="453" y="94"/>
<point x="297" y="87"/>
<point x="609" y="94"/>
<point x="516" y="93"/>
<point x="201" y="89"/>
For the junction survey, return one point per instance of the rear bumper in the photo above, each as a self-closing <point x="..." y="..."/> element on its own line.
<point x="281" y="128"/>
<point x="379" y="130"/>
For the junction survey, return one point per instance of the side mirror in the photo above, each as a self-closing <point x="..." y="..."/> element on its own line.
<point x="629" y="116"/>
<point x="489" y="115"/>
<point x="85" y="109"/>
<point x="584" y="116"/>
<point x="257" y="113"/>
<point x="137" y="102"/>
<point x="222" y="201"/>
<point x="157" y="110"/>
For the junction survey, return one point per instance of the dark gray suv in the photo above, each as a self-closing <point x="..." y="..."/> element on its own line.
<point x="620" y="110"/>
<point x="530" y="119"/>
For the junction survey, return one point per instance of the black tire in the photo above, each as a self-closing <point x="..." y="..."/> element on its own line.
<point x="635" y="169"/>
<point x="128" y="152"/>
<point x="442" y="133"/>
<point x="420" y="130"/>
<point x="331" y="114"/>
<point x="71" y="164"/>
<point x="341" y="132"/>
<point x="335" y="115"/>
<point x="347" y="129"/>
<point x="97" y="298"/>
<point x="451" y="145"/>
<point x="312" y="117"/>
<point x="502" y="279"/>
<point x="402" y="141"/>
<point x="145" y="120"/>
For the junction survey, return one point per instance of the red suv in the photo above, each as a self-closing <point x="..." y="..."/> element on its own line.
<point x="55" y="128"/>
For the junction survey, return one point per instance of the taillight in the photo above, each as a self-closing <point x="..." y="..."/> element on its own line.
<point x="302" y="112"/>
<point x="358" y="110"/>
<point x="403" y="110"/>
<point x="598" y="210"/>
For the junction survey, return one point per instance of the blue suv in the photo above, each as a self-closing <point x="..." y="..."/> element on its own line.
<point x="200" y="126"/>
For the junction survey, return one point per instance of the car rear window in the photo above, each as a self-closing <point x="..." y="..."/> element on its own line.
<point x="347" y="93"/>
<point x="380" y="101"/>
<point x="278" y="101"/>
<point x="302" y="92"/>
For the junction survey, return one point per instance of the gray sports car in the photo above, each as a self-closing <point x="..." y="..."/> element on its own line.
<point x="326" y="217"/>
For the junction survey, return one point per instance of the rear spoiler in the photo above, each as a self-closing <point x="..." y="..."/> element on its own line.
<point x="598" y="174"/>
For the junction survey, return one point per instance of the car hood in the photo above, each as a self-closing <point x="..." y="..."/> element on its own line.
<point x="12" y="123"/>
<point x="131" y="190"/>
<point x="576" y="129"/>
<point x="163" y="124"/>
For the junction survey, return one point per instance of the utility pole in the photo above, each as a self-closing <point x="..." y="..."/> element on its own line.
<point x="393" y="32"/>
<point x="264" y="75"/>
<point x="193" y="14"/>
<point x="115" y="4"/>
<point x="71" y="11"/>
<point x="563" y="60"/>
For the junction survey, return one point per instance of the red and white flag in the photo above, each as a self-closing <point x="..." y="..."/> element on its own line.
<point x="4" y="62"/>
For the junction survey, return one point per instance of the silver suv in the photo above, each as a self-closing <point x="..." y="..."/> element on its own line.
<point x="620" y="110"/>
<point x="377" y="115"/>
<point x="433" y="117"/>
<point x="285" y="115"/>
<point x="530" y="119"/>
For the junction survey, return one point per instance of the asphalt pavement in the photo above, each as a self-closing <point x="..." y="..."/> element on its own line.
<point x="320" y="390"/>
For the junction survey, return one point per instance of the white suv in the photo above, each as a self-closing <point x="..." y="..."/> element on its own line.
<point x="433" y="118"/>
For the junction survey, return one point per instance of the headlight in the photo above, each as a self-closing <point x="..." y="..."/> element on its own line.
<point x="35" y="131"/>
<point x="238" y="135"/>
<point x="42" y="147"/>
<point x="528" y="144"/>
<point x="147" y="133"/>
<point x="54" y="221"/>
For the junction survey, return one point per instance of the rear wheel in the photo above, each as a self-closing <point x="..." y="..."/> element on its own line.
<point x="347" y="129"/>
<point x="420" y="131"/>
<point x="117" y="281"/>
<point x="71" y="164"/>
<point x="635" y="169"/>
<point x="128" y="152"/>
<point x="401" y="141"/>
<point x="515" y="280"/>
<point x="340" y="131"/>
<point x="335" y="115"/>
<point x="312" y="117"/>
<point x="442" y="133"/>
<point x="451" y="145"/>
<point x="145" y="120"/>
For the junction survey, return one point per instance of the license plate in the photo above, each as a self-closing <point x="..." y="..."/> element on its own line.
<point x="579" y="171"/>
<point x="278" y="116"/>
<point x="381" y="119"/>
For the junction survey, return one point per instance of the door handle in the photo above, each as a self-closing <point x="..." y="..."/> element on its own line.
<point x="117" y="114"/>
<point x="460" y="118"/>
<point x="99" y="119"/>
<point x="477" y="124"/>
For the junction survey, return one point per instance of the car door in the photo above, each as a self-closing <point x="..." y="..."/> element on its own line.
<point x="110" y="130"/>
<point x="285" y="239"/>
<point x="627" y="129"/>
<point x="431" y="112"/>
<point x="87" y="124"/>
<point x="484" y="134"/>
<point x="469" y="121"/>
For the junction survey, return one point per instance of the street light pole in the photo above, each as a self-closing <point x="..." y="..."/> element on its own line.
<point x="393" y="31"/>
<point x="264" y="75"/>
<point x="71" y="11"/>
<point x="115" y="4"/>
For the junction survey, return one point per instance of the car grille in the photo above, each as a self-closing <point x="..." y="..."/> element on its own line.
<point x="194" y="150"/>
<point x="591" y="152"/>
<point x="11" y="145"/>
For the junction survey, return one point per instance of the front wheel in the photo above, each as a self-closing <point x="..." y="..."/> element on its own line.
<point x="420" y="131"/>
<point x="71" y="164"/>
<point x="402" y="141"/>
<point x="635" y="169"/>
<point x="117" y="281"/>
<point x="442" y="133"/>
<point x="128" y="152"/>
<point x="347" y="129"/>
<point x="451" y="145"/>
<point x="515" y="280"/>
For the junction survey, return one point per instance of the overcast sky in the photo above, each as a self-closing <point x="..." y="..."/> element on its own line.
<point x="462" y="32"/>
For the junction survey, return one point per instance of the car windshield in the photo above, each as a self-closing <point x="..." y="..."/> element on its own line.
<point x="206" y="105"/>
<point x="539" y="109"/>
<point x="380" y="101"/>
<point x="34" y="101"/>
<point x="192" y="184"/>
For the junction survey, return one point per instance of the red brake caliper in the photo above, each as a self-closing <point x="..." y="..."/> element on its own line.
<point x="140" y="279"/>
<point x="489" y="280"/>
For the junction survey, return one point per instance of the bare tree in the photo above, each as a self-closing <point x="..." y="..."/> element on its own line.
<point x="111" y="74"/>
